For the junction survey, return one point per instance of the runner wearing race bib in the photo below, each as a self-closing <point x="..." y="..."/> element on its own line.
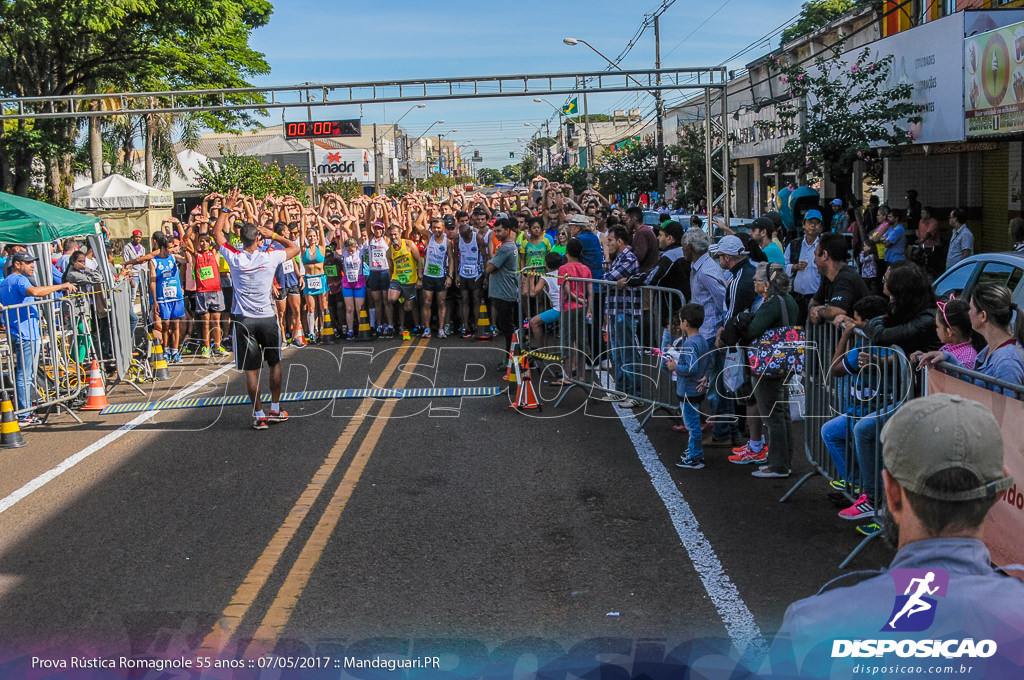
<point x="471" y="280"/>
<point x="209" y="298"/>
<point x="316" y="281"/>
<point x="378" y="281"/>
<point x="353" y="286"/>
<point x="405" y="261"/>
<point x="166" y="291"/>
<point x="333" y="272"/>
<point x="437" y="272"/>
<point x="532" y="254"/>
<point x="288" y="295"/>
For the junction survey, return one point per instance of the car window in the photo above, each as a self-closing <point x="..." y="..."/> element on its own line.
<point x="651" y="218"/>
<point x="1002" y="274"/>
<point x="954" y="281"/>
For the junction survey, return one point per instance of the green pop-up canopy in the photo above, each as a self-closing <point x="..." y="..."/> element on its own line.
<point x="23" y="220"/>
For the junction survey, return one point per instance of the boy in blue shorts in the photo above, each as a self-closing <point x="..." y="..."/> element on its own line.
<point x="693" y="370"/>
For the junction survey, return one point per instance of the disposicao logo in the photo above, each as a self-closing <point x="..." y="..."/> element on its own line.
<point x="914" y="611"/>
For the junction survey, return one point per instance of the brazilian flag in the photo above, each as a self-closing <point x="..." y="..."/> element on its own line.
<point x="571" y="108"/>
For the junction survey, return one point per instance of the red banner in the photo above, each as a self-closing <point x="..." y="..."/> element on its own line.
<point x="1004" y="527"/>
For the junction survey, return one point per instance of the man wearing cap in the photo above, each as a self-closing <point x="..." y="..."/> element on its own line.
<point x="800" y="263"/>
<point x="734" y="259"/>
<point x="943" y="473"/>
<point x="840" y="222"/>
<point x="672" y="270"/>
<point x="23" y="327"/>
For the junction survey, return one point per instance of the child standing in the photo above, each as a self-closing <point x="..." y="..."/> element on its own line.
<point x="868" y="260"/>
<point x="693" y="371"/>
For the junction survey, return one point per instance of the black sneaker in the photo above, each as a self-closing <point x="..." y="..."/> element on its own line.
<point x="465" y="333"/>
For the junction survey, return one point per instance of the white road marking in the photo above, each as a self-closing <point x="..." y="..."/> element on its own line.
<point x="738" y="620"/>
<point x="68" y="463"/>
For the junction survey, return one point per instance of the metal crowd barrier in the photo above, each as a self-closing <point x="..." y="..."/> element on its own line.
<point x="868" y="398"/>
<point x="995" y="384"/>
<point x="53" y="373"/>
<point x="628" y="345"/>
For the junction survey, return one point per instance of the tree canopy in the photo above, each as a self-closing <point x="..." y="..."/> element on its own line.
<point x="64" y="47"/>
<point x="817" y="13"/>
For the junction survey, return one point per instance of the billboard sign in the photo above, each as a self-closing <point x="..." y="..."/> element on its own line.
<point x="994" y="82"/>
<point x="350" y="164"/>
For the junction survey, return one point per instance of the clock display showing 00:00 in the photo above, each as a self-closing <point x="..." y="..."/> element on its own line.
<point x="323" y="128"/>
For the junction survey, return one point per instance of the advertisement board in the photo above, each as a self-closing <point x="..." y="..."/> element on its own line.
<point x="994" y="82"/>
<point x="351" y="164"/>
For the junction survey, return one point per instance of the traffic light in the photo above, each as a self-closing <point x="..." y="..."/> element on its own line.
<point x="511" y="154"/>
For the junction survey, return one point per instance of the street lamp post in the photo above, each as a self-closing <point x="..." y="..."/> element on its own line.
<point x="561" y="127"/>
<point x="657" y="100"/>
<point x="412" y="145"/>
<point x="394" y="131"/>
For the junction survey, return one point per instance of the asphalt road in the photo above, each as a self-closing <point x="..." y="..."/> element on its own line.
<point x="457" y="525"/>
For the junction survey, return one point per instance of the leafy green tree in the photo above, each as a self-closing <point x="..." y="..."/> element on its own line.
<point x="629" y="171"/>
<point x="817" y="13"/>
<point x="113" y="45"/>
<point x="512" y="172"/>
<point x="843" y="111"/>
<point x="439" y="181"/>
<point x="489" y="176"/>
<point x="398" y="189"/>
<point x="346" y="188"/>
<point x="687" y="168"/>
<point x="569" y="174"/>
<point x="252" y="176"/>
<point x="594" y="118"/>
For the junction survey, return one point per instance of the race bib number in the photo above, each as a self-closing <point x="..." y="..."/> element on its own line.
<point x="403" y="278"/>
<point x="378" y="258"/>
<point x="288" y="266"/>
<point x="313" y="284"/>
<point x="433" y="270"/>
<point x="169" y="291"/>
<point x="468" y="271"/>
<point x="205" y="273"/>
<point x="331" y="270"/>
<point x="352" y="271"/>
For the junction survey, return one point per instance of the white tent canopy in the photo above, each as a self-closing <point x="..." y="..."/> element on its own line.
<point x="114" y="192"/>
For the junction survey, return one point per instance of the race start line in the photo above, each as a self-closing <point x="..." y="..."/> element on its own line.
<point x="321" y="395"/>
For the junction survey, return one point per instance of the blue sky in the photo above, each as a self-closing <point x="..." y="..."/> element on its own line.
<point x="321" y="41"/>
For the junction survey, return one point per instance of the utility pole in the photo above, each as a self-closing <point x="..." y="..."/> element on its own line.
<point x="659" y="112"/>
<point x="312" y="156"/>
<point x="586" y="136"/>
<point x="376" y="163"/>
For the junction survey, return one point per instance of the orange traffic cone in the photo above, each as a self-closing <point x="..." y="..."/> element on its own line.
<point x="513" y="358"/>
<point x="97" y="397"/>
<point x="526" y="396"/>
<point x="10" y="432"/>
<point x="483" y="324"/>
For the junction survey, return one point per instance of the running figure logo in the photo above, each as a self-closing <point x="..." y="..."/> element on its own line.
<point x="914" y="610"/>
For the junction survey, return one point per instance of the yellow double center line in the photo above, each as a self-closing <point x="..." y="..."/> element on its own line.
<point x="281" y="608"/>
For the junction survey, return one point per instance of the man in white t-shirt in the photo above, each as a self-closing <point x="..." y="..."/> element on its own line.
<point x="257" y="336"/>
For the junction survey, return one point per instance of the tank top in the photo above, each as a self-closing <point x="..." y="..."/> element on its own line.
<point x="469" y="258"/>
<point x="316" y="259"/>
<point x="285" y="274"/>
<point x="352" y="266"/>
<point x="405" y="266"/>
<point x="168" y="282"/>
<point x="207" y="274"/>
<point x="377" y="250"/>
<point x="437" y="258"/>
<point x="533" y="254"/>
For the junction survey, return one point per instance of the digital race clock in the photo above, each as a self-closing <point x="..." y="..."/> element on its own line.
<point x="323" y="128"/>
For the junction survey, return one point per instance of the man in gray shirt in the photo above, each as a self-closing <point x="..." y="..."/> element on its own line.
<point x="504" y="281"/>
<point x="961" y="241"/>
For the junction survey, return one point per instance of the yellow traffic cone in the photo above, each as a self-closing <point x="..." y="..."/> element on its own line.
<point x="10" y="432"/>
<point x="160" y="371"/>
<point x="364" y="327"/>
<point x="483" y="324"/>
<point x="327" y="332"/>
